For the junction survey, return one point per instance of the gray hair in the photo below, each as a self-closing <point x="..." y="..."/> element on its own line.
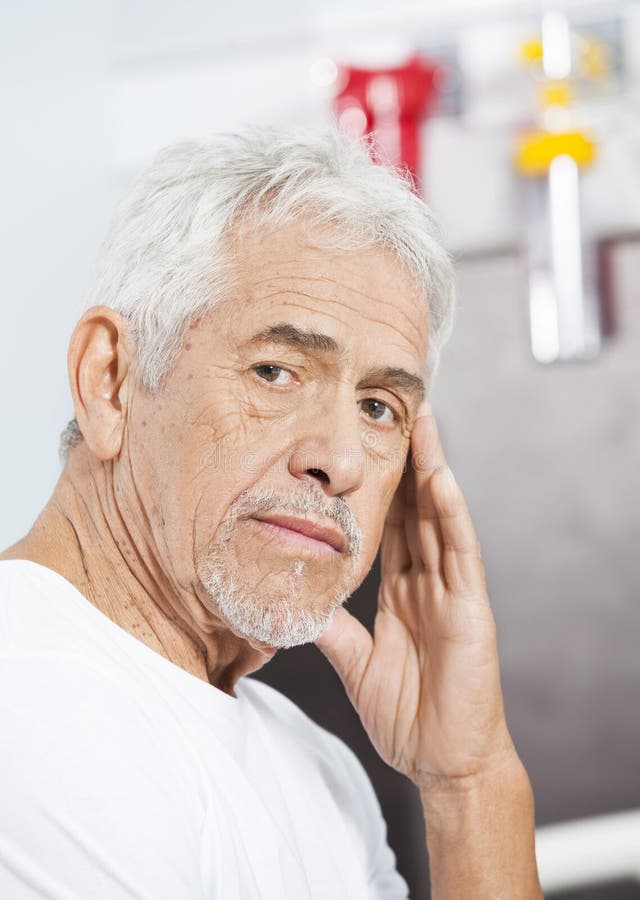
<point x="168" y="257"/>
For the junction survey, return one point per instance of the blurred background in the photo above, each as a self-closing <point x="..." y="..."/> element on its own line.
<point x="520" y="123"/>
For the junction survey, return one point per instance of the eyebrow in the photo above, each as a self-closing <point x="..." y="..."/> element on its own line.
<point x="290" y="335"/>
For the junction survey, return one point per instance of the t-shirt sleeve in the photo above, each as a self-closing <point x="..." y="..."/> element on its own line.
<point x="93" y="804"/>
<point x="383" y="879"/>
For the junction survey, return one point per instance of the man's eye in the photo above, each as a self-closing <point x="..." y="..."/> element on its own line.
<point x="271" y="373"/>
<point x="379" y="411"/>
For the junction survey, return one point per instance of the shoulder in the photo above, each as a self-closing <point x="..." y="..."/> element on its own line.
<point x="34" y="605"/>
<point x="63" y="683"/>
<point x="344" y="777"/>
<point x="329" y="756"/>
<point x="281" y="713"/>
<point x="67" y="719"/>
<point x="84" y="773"/>
<point x="11" y="576"/>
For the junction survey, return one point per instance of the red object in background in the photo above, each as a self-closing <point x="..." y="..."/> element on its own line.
<point x="390" y="103"/>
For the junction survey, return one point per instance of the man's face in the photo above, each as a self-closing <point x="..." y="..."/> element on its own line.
<point x="279" y="407"/>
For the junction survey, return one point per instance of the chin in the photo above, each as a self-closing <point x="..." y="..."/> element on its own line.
<point x="283" y="614"/>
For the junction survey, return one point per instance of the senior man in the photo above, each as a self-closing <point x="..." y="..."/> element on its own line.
<point x="267" y="317"/>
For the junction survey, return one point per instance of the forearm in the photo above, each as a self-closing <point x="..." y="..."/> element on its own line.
<point x="481" y="839"/>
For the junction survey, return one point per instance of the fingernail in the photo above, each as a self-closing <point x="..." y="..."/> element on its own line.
<point x="424" y="409"/>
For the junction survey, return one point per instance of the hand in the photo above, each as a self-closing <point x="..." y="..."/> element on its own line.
<point x="427" y="684"/>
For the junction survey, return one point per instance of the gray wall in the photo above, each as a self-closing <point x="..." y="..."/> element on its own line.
<point x="549" y="460"/>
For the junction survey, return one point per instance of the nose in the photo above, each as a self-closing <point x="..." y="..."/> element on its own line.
<point x="330" y="449"/>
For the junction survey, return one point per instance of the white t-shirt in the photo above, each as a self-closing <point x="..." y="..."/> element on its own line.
<point x="124" y="776"/>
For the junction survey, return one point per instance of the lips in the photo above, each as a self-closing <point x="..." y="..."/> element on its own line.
<point x="310" y="529"/>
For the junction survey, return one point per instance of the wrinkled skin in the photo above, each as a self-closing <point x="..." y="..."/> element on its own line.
<point x="143" y="498"/>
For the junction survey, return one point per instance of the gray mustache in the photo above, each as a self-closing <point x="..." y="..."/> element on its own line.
<point x="249" y="503"/>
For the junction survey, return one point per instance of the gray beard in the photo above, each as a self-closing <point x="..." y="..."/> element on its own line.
<point x="278" y="621"/>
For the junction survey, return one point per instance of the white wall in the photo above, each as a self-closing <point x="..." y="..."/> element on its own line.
<point x="54" y="159"/>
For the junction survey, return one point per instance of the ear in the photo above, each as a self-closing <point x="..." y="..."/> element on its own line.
<point x="100" y="366"/>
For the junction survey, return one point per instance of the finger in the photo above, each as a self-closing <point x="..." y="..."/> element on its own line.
<point x="347" y="645"/>
<point x="411" y="515"/>
<point x="394" y="552"/>
<point x="462" y="561"/>
<point x="427" y="456"/>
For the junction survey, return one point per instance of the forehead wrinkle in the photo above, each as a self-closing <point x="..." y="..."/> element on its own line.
<point x="323" y="278"/>
<point x="371" y="319"/>
<point x="333" y="281"/>
<point x="344" y="356"/>
<point x="333" y="300"/>
<point x="329" y="315"/>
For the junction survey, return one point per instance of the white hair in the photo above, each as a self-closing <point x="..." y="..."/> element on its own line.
<point x="168" y="257"/>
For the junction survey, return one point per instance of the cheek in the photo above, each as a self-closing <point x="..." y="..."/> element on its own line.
<point x="216" y="469"/>
<point x="376" y="510"/>
<point x="386" y="456"/>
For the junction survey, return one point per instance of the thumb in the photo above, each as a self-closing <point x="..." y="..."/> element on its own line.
<point x="347" y="645"/>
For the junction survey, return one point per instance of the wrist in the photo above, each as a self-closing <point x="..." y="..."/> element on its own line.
<point x="481" y="835"/>
<point x="449" y="802"/>
<point x="501" y="761"/>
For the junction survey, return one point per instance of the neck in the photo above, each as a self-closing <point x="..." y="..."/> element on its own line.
<point x="86" y="535"/>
